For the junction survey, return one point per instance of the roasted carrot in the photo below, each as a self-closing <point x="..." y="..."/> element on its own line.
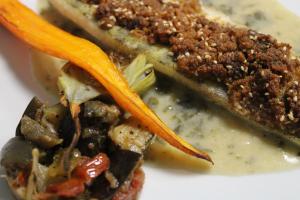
<point x="38" y="33"/>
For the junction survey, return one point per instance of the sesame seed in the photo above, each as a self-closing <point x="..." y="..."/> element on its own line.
<point x="282" y="118"/>
<point x="199" y="33"/>
<point x="239" y="107"/>
<point x="207" y="56"/>
<point x="295" y="99"/>
<point x="229" y="66"/>
<point x="187" y="33"/>
<point x="291" y="116"/>
<point x="91" y="146"/>
<point x="180" y="57"/>
<point x="244" y="69"/>
<point x="170" y="53"/>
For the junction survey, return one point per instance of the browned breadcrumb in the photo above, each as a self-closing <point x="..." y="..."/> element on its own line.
<point x="258" y="71"/>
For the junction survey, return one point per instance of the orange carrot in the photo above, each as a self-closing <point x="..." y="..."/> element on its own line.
<point x="38" y="33"/>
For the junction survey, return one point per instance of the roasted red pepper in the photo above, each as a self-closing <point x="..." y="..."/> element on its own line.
<point x="85" y="173"/>
<point x="21" y="179"/>
<point x="92" y="168"/>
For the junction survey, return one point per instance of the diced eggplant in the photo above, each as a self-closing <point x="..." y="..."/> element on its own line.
<point x="66" y="129"/>
<point x="107" y="113"/>
<point x="122" y="165"/>
<point x="30" y="111"/>
<point x="35" y="132"/>
<point x="52" y="128"/>
<point x="52" y="116"/>
<point x="48" y="117"/>
<point x="124" y="145"/>
<point x="93" y="143"/>
<point x="128" y="143"/>
<point x="93" y="133"/>
<point x="16" y="154"/>
<point x="131" y="136"/>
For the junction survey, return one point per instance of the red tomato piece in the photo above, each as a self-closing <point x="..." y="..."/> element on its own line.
<point x="88" y="169"/>
<point x="21" y="179"/>
<point x="92" y="168"/>
<point x="69" y="188"/>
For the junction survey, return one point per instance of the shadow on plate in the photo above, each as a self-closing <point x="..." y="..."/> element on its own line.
<point x="162" y="156"/>
<point x="17" y="56"/>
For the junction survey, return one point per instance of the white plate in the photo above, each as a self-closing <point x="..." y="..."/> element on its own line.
<point x="17" y="87"/>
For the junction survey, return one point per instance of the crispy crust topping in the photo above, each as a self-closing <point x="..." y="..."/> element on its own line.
<point x="258" y="72"/>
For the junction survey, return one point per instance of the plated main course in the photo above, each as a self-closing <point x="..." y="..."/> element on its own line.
<point x="91" y="144"/>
